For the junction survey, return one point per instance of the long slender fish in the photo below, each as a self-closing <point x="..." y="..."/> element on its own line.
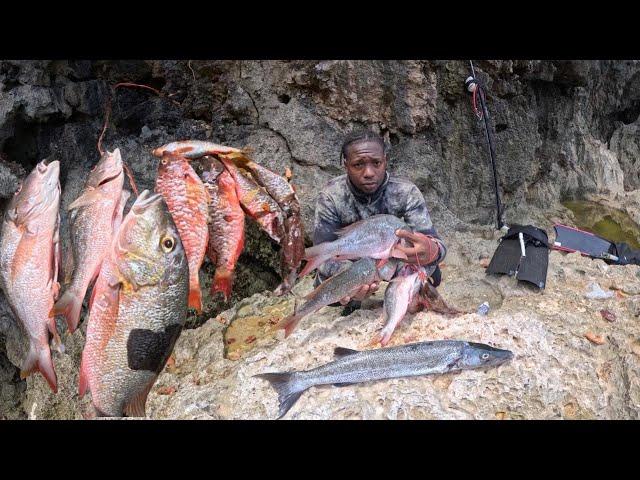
<point x="226" y="225"/>
<point x="352" y="366"/>
<point x="95" y="216"/>
<point x="138" y="308"/>
<point x="29" y="259"/>
<point x="372" y="237"/>
<point x="345" y="283"/>
<point x="187" y="200"/>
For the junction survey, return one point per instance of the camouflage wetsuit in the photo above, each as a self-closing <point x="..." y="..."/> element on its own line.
<point x="340" y="204"/>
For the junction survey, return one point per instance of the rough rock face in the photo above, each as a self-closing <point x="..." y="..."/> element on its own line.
<point x="563" y="130"/>
<point x="556" y="372"/>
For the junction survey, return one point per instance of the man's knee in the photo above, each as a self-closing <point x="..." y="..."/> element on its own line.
<point x="436" y="277"/>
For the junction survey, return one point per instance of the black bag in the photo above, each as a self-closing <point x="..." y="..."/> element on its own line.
<point x="508" y="259"/>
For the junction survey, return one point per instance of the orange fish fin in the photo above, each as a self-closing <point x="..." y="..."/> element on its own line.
<point x="312" y="264"/>
<point x="70" y="306"/>
<point x="222" y="282"/>
<point x="39" y="359"/>
<point x="195" y="298"/>
<point x="136" y="406"/>
<point x="289" y="324"/>
<point x="87" y="198"/>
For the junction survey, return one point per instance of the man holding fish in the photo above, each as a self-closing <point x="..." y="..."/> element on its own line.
<point x="368" y="189"/>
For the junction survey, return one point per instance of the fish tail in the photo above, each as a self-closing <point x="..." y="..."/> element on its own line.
<point x="286" y="389"/>
<point x="312" y="263"/>
<point x="289" y="324"/>
<point x="195" y="298"/>
<point x="39" y="359"/>
<point x="69" y="305"/>
<point x="222" y="282"/>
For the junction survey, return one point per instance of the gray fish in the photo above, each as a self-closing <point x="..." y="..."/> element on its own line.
<point x="373" y="237"/>
<point x="353" y="366"/>
<point x="345" y="283"/>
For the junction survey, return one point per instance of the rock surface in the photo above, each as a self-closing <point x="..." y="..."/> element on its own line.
<point x="563" y="130"/>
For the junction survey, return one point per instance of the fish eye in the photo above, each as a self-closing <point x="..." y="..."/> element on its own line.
<point x="484" y="356"/>
<point x="164" y="160"/>
<point x="168" y="244"/>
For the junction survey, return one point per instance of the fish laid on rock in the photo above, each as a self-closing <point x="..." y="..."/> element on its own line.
<point x="345" y="283"/>
<point x="226" y="225"/>
<point x="137" y="310"/>
<point x="372" y="237"/>
<point x="187" y="200"/>
<point x="257" y="202"/>
<point x="352" y="366"/>
<point x="94" y="217"/>
<point x="29" y="259"/>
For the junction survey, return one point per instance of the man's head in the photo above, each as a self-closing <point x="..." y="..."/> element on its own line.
<point x="363" y="155"/>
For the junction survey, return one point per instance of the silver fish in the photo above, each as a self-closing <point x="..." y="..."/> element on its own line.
<point x="372" y="237"/>
<point x="345" y="283"/>
<point x="353" y="366"/>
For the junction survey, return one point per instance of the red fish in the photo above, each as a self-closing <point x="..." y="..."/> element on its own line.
<point x="257" y="202"/>
<point x="187" y="200"/>
<point x="29" y="259"/>
<point x="95" y="216"/>
<point x="226" y="225"/>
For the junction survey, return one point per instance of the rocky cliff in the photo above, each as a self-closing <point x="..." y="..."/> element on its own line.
<point x="563" y="130"/>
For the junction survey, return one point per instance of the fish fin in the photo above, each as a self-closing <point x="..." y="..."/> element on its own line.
<point x="39" y="359"/>
<point x="87" y="198"/>
<point x="395" y="253"/>
<point x="289" y="324"/>
<point x="340" y="352"/>
<point x="195" y="298"/>
<point x="312" y="264"/>
<point x="281" y="383"/>
<point x="69" y="305"/>
<point x="222" y="282"/>
<point x="136" y="406"/>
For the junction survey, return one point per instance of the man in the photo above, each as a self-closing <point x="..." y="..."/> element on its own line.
<point x="367" y="189"/>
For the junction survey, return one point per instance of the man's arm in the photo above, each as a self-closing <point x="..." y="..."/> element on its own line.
<point x="326" y="224"/>
<point x="418" y="218"/>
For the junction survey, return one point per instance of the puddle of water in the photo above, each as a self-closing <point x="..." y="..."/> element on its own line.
<point x="252" y="324"/>
<point x="614" y="225"/>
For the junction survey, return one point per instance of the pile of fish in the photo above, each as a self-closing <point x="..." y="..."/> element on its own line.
<point x="367" y="240"/>
<point x="143" y="265"/>
<point x="209" y="212"/>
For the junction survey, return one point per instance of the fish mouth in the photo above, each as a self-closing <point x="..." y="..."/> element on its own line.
<point x="144" y="201"/>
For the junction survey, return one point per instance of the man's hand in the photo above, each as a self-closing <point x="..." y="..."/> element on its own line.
<point x="425" y="249"/>
<point x="362" y="293"/>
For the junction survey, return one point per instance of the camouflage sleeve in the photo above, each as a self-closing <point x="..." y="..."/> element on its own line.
<point x="325" y="225"/>
<point x="418" y="218"/>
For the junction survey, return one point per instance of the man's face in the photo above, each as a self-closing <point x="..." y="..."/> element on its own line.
<point x="366" y="165"/>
